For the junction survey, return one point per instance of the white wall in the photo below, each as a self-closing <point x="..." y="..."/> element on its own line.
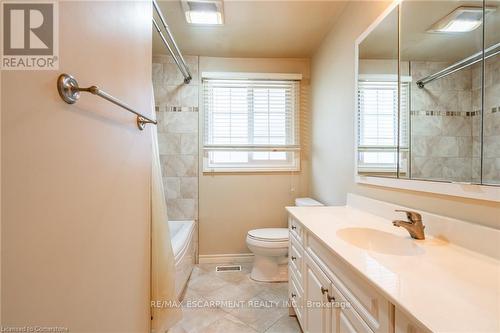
<point x="333" y="115"/>
<point x="233" y="203"/>
<point x="75" y="179"/>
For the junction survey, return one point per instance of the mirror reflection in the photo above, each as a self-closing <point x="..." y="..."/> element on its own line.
<point x="378" y="99"/>
<point x="491" y="117"/>
<point x="443" y="54"/>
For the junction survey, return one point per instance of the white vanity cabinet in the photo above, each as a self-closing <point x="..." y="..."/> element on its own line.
<point x="352" y="271"/>
<point x="295" y="271"/>
<point x="326" y="295"/>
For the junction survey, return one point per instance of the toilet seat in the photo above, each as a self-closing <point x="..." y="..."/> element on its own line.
<point x="266" y="244"/>
<point x="269" y="235"/>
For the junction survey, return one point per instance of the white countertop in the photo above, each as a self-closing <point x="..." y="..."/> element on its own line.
<point x="445" y="287"/>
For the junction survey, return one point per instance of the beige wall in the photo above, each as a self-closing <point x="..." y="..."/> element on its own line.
<point x="232" y="204"/>
<point x="75" y="190"/>
<point x="333" y="115"/>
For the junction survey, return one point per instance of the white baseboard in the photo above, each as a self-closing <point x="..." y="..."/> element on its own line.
<point x="225" y="258"/>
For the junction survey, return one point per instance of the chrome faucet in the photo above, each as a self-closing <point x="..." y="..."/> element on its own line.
<point x="414" y="226"/>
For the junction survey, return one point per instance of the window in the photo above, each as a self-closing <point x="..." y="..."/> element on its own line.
<point x="378" y="125"/>
<point x="251" y="125"/>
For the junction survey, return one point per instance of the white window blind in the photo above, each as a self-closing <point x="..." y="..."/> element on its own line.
<point x="378" y="124"/>
<point x="251" y="125"/>
<point x="404" y="121"/>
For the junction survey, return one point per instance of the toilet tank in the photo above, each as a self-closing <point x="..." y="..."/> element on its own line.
<point x="308" y="202"/>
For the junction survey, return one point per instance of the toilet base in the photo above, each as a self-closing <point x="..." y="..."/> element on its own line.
<point x="270" y="269"/>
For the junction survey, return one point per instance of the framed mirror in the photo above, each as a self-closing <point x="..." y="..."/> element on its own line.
<point x="428" y="98"/>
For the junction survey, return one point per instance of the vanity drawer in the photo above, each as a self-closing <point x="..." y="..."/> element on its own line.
<point x="296" y="282"/>
<point x="371" y="306"/>
<point x="296" y="294"/>
<point x="295" y="258"/>
<point x="295" y="274"/>
<point x="296" y="229"/>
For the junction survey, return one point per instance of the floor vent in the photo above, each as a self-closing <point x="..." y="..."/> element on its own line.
<point x="228" y="268"/>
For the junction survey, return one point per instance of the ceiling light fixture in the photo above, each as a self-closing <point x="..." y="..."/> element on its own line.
<point x="462" y="19"/>
<point x="203" y="12"/>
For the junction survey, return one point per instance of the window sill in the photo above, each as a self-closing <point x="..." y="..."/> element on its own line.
<point x="288" y="166"/>
<point x="250" y="170"/>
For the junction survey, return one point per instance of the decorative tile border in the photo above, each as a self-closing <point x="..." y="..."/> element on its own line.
<point x="445" y="113"/>
<point x="177" y="108"/>
<point x="495" y="109"/>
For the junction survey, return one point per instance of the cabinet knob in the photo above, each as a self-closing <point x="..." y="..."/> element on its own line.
<point x="293" y="295"/>
<point x="294" y="227"/>
<point x="293" y="258"/>
<point x="324" y="290"/>
<point x="330" y="298"/>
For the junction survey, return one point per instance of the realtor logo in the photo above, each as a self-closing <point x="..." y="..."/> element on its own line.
<point x="29" y="36"/>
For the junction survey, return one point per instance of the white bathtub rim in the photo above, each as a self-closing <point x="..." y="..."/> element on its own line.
<point x="179" y="252"/>
<point x="184" y="252"/>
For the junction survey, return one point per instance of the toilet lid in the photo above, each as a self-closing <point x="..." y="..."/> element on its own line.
<point x="270" y="234"/>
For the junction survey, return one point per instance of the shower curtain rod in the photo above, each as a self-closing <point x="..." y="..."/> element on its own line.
<point x="475" y="58"/>
<point x="174" y="49"/>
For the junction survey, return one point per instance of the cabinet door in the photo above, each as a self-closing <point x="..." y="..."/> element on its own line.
<point x="343" y="318"/>
<point x="403" y="324"/>
<point x="316" y="305"/>
<point x="346" y="321"/>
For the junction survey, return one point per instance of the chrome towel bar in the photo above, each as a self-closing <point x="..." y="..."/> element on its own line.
<point x="68" y="89"/>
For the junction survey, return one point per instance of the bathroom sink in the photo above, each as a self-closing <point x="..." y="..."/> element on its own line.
<point x="380" y="241"/>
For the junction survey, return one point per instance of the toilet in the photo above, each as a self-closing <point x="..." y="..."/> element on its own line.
<point x="270" y="249"/>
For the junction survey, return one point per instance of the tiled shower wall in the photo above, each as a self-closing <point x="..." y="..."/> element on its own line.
<point x="491" y="128"/>
<point x="441" y="133"/>
<point x="446" y="120"/>
<point x="176" y="106"/>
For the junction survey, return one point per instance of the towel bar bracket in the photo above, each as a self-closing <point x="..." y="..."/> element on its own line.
<point x="68" y="89"/>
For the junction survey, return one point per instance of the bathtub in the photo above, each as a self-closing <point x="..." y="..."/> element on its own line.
<point x="183" y="246"/>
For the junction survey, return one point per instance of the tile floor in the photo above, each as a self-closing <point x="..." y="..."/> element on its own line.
<point x="230" y="302"/>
